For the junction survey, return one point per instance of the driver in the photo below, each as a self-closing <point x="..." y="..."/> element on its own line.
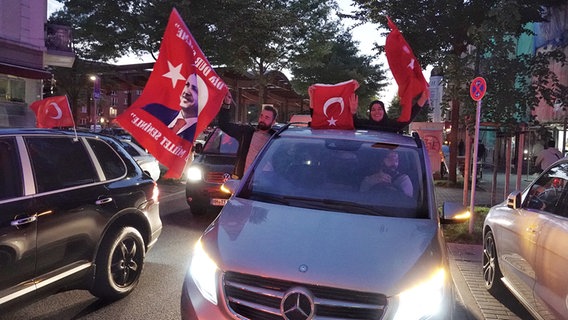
<point x="389" y="176"/>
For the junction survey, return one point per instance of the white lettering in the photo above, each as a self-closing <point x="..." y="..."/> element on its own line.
<point x="172" y="148"/>
<point x="145" y="126"/>
<point x="202" y="66"/>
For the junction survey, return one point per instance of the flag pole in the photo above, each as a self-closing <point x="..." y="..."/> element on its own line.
<point x="71" y="113"/>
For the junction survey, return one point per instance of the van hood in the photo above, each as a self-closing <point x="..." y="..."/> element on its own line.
<point x="353" y="251"/>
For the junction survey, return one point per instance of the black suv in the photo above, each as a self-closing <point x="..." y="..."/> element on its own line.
<point x="212" y="166"/>
<point x="76" y="212"/>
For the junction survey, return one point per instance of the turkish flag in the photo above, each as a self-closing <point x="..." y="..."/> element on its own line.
<point x="53" y="112"/>
<point x="183" y="85"/>
<point x="330" y="104"/>
<point x="405" y="70"/>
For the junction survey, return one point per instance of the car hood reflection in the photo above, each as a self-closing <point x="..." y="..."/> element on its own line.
<point x="335" y="248"/>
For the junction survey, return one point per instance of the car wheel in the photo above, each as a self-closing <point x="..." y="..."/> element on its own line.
<point x="491" y="271"/>
<point x="198" y="209"/>
<point x="119" y="264"/>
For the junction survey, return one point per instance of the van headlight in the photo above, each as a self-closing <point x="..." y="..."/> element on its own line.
<point x="203" y="271"/>
<point x="423" y="300"/>
<point x="194" y="174"/>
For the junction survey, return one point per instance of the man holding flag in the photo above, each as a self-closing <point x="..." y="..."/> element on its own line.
<point x="181" y="98"/>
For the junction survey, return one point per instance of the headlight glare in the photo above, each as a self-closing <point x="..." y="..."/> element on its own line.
<point x="203" y="271"/>
<point x="194" y="174"/>
<point x="423" y="300"/>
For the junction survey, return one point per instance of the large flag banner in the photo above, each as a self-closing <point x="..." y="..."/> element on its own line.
<point x="182" y="96"/>
<point x="405" y="70"/>
<point x="330" y="105"/>
<point x="53" y="112"/>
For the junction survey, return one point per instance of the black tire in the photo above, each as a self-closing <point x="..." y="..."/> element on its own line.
<point x="119" y="264"/>
<point x="198" y="209"/>
<point x="491" y="272"/>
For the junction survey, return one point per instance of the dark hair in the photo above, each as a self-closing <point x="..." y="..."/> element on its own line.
<point x="271" y="109"/>
<point x="551" y="144"/>
<point x="380" y="103"/>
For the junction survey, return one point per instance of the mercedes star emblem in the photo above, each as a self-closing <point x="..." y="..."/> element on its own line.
<point x="297" y="304"/>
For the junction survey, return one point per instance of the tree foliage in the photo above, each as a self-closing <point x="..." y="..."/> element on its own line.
<point x="471" y="38"/>
<point x="246" y="35"/>
<point x="337" y="60"/>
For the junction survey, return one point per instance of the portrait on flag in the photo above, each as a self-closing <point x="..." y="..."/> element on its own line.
<point x="330" y="105"/>
<point x="53" y="112"/>
<point x="182" y="96"/>
<point x="184" y="121"/>
<point x="405" y="69"/>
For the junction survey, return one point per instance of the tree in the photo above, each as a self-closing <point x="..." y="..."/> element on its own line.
<point x="246" y="35"/>
<point x="336" y="60"/>
<point x="443" y="32"/>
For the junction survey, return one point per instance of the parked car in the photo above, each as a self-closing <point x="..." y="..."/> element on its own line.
<point x="212" y="166"/>
<point x="76" y="212"/>
<point x="524" y="244"/>
<point x="146" y="161"/>
<point x="299" y="239"/>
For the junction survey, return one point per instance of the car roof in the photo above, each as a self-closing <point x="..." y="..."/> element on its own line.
<point x="358" y="135"/>
<point x="40" y="131"/>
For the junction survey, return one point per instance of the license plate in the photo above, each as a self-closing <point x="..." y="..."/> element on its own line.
<point x="218" y="202"/>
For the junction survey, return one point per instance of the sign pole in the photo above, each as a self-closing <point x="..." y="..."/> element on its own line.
<point x="477" y="91"/>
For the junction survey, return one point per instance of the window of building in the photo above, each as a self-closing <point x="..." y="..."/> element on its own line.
<point x="112" y="112"/>
<point x="12" y="89"/>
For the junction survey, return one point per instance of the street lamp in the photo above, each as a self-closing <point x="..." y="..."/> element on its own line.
<point x="96" y="95"/>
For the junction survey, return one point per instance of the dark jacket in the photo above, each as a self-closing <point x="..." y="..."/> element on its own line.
<point x="387" y="124"/>
<point x="166" y="116"/>
<point x="242" y="133"/>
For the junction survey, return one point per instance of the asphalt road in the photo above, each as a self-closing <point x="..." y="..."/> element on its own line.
<point x="158" y="293"/>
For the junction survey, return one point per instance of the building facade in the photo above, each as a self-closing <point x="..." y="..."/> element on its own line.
<point x="24" y="57"/>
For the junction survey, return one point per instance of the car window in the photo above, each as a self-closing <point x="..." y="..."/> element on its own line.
<point x="221" y="143"/>
<point x="11" y="181"/>
<point x="548" y="192"/>
<point x="130" y="149"/>
<point x="111" y="163"/>
<point x="338" y="175"/>
<point x="59" y="162"/>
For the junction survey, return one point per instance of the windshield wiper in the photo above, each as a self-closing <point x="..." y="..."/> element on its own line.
<point x="353" y="205"/>
<point x="269" y="197"/>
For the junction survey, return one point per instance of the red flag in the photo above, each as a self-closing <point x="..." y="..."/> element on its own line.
<point x="330" y="104"/>
<point x="183" y="85"/>
<point x="405" y="70"/>
<point x="53" y="112"/>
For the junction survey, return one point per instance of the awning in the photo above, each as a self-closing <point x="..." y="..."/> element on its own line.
<point x="24" y="72"/>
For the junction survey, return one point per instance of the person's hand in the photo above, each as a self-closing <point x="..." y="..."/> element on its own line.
<point x="383" y="177"/>
<point x="228" y="98"/>
<point x="425" y="96"/>
<point x="354" y="103"/>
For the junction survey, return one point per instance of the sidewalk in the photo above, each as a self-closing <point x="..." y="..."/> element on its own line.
<point x="466" y="260"/>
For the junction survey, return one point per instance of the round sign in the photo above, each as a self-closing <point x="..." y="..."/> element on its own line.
<point x="477" y="88"/>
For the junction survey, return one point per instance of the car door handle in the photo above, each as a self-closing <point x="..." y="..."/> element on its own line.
<point x="19" y="222"/>
<point x="103" y="201"/>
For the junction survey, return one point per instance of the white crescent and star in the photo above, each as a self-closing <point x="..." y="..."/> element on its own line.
<point x="174" y="73"/>
<point x="330" y="101"/>
<point x="57" y="108"/>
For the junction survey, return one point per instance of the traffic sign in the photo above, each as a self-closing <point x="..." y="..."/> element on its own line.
<point x="477" y="88"/>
